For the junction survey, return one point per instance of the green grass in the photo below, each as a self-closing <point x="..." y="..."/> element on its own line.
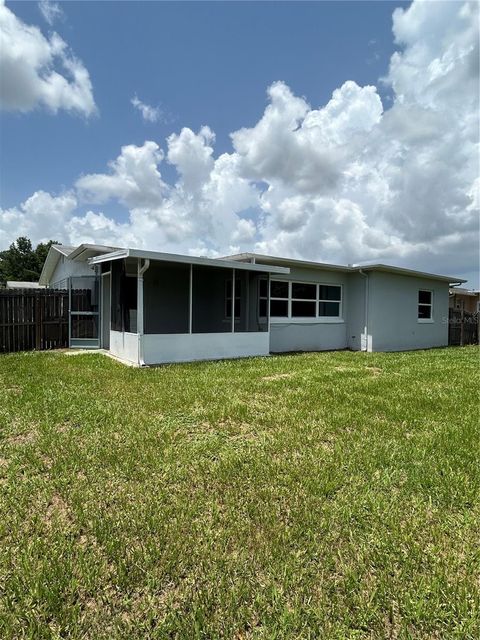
<point x="325" y="496"/>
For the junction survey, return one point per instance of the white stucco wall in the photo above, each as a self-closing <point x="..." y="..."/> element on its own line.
<point x="66" y="268"/>
<point x="184" y="347"/>
<point x="393" y="321"/>
<point x="311" y="334"/>
<point x="355" y="294"/>
<point x="124" y="346"/>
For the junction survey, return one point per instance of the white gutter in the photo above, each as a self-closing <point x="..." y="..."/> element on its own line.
<point x="365" y="329"/>
<point x="140" y="328"/>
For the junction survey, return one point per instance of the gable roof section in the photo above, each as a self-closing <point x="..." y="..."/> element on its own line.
<point x="56" y="251"/>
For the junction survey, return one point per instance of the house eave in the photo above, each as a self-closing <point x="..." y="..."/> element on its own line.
<point x="409" y="272"/>
<point x="200" y="261"/>
<point x="325" y="266"/>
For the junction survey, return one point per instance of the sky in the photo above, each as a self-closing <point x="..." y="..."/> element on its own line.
<point x="342" y="132"/>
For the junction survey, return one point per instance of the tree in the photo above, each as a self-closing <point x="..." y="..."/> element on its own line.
<point x="21" y="262"/>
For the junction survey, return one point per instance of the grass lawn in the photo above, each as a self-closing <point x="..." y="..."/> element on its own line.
<point x="324" y="496"/>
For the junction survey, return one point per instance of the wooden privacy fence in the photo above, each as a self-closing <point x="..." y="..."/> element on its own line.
<point x="33" y="319"/>
<point x="463" y="327"/>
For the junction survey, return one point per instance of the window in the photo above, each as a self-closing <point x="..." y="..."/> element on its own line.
<point x="329" y="299"/>
<point x="279" y="299"/>
<point x="304" y="300"/>
<point x="425" y="305"/>
<point x="228" y="297"/>
<point x="262" y="298"/>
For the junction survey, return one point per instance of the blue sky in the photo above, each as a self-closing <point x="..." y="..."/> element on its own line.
<point x="203" y="63"/>
<point x="211" y="64"/>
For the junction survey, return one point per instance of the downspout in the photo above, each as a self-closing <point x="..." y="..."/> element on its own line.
<point x="365" y="329"/>
<point x="140" y="323"/>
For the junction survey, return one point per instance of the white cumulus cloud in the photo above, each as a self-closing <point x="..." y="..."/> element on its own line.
<point x="36" y="70"/>
<point x="51" y="11"/>
<point x="347" y="181"/>
<point x="149" y="113"/>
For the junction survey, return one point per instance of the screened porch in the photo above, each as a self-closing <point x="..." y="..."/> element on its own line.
<point x="180" y="309"/>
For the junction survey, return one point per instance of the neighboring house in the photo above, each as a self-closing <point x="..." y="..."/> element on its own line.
<point x="464" y="300"/>
<point x="23" y="284"/>
<point x="147" y="307"/>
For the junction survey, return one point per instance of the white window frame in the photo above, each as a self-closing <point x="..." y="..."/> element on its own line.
<point x="317" y="319"/>
<point x="288" y="300"/>
<point x="291" y="299"/>
<point x="340" y="305"/>
<point x="266" y="298"/>
<point x="429" y="320"/>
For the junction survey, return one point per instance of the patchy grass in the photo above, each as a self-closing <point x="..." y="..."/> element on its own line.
<point x="307" y="496"/>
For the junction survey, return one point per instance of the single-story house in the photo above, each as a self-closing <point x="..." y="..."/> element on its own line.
<point x="465" y="300"/>
<point x="147" y="307"/>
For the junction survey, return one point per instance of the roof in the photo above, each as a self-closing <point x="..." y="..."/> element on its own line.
<point x="85" y="251"/>
<point x="21" y="284"/>
<point x="80" y="253"/>
<point x="254" y="257"/>
<point x="173" y="257"/>
<point x="64" y="249"/>
<point x="465" y="292"/>
<point x="407" y="272"/>
<point x="96" y="254"/>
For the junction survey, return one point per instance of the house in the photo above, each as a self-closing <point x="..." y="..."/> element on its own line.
<point x="147" y="307"/>
<point x="464" y="300"/>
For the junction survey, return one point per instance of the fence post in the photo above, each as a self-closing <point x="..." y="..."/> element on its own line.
<point x="462" y="328"/>
<point x="38" y="323"/>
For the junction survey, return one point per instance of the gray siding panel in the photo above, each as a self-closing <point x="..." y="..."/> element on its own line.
<point x="307" y="337"/>
<point x="393" y="319"/>
<point x="355" y="294"/>
<point x="310" y="335"/>
<point x="66" y="268"/>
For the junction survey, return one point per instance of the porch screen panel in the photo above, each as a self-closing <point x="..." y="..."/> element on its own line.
<point x="116" y="299"/>
<point x="211" y="312"/>
<point x="248" y="316"/>
<point x="84" y="309"/>
<point x="166" y="298"/>
<point x="124" y="299"/>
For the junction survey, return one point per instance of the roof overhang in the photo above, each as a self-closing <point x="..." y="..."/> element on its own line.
<point x="408" y="272"/>
<point x="173" y="257"/>
<point x="325" y="266"/>
<point x="53" y="256"/>
<point x="254" y="258"/>
<point x="85" y="251"/>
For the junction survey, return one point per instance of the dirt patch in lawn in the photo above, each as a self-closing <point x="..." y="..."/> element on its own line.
<point x="58" y="510"/>
<point x="375" y="371"/>
<point x="278" y="376"/>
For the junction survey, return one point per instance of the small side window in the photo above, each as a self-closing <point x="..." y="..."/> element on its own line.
<point x="425" y="305"/>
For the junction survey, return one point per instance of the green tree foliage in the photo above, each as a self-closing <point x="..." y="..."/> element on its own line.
<point x="22" y="262"/>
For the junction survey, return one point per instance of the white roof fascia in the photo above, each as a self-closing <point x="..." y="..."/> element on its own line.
<point x="50" y="263"/>
<point x="64" y="250"/>
<point x="346" y="269"/>
<point x="408" y="272"/>
<point x="76" y="254"/>
<point x="291" y="261"/>
<point x="173" y="257"/>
